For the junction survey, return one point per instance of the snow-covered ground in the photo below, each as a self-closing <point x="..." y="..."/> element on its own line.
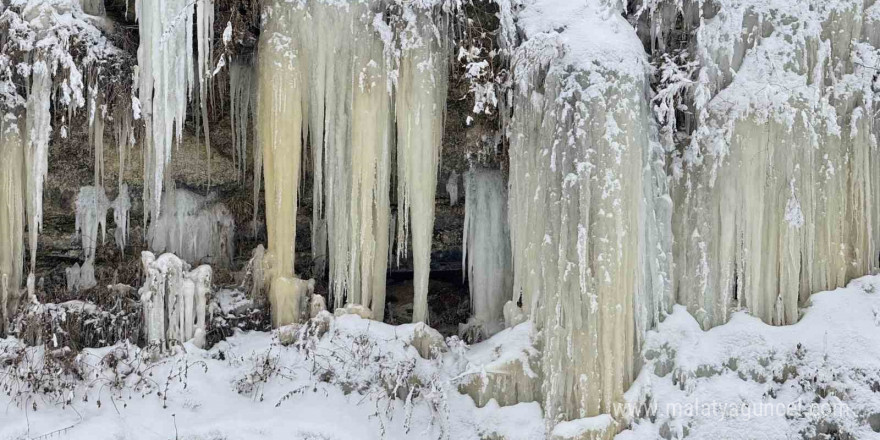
<point x="253" y="387"/>
<point x="741" y="380"/>
<point x="749" y="380"/>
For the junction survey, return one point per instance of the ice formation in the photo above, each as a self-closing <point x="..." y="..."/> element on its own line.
<point x="91" y="220"/>
<point x="421" y="109"/>
<point x="242" y="109"/>
<point x="91" y="216"/>
<point x="12" y="216"/>
<point x="580" y="206"/>
<point x="52" y="46"/>
<point x="174" y="299"/>
<point x="336" y="98"/>
<point x="773" y="191"/>
<point x="452" y="188"/>
<point x="486" y="247"/>
<point x="196" y="228"/>
<point x="167" y="74"/>
<point x="121" y="208"/>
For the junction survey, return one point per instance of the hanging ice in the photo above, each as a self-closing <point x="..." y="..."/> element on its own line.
<point x="583" y="202"/>
<point x="337" y="98"/>
<point x="198" y="229"/>
<point x="774" y="191"/>
<point x="166" y="77"/>
<point x="452" y="188"/>
<point x="420" y="108"/>
<point x="486" y="247"/>
<point x="12" y="216"/>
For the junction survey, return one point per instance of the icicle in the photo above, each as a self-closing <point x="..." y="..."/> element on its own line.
<point x="337" y="97"/>
<point x="97" y="113"/>
<point x="166" y="79"/>
<point x="242" y="96"/>
<point x="121" y="208"/>
<point x="205" y="38"/>
<point x="38" y="128"/>
<point x="420" y="110"/>
<point x="91" y="214"/>
<point x="579" y="217"/>
<point x="12" y="215"/>
<point x="452" y="188"/>
<point x="174" y="300"/>
<point x="486" y="248"/>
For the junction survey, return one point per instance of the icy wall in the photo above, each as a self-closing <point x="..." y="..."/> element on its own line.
<point x="775" y="167"/>
<point x="587" y="235"/>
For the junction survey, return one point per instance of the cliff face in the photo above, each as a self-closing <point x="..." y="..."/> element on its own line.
<point x="621" y="157"/>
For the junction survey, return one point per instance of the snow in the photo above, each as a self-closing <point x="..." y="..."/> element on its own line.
<point x="830" y="358"/>
<point x="251" y="387"/>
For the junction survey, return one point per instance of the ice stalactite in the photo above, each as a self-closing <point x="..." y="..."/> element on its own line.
<point x="174" y="299"/>
<point x="97" y="114"/>
<point x="280" y="110"/>
<point x="773" y="191"/>
<point x="12" y="215"/>
<point x="452" y="188"/>
<point x="486" y="248"/>
<point x="38" y="126"/>
<point x="123" y="132"/>
<point x="91" y="216"/>
<point x="242" y="109"/>
<point x="121" y="208"/>
<point x="582" y="208"/>
<point x="420" y="111"/>
<point x="91" y="220"/>
<point x="197" y="228"/>
<point x="336" y="98"/>
<point x="166" y="77"/>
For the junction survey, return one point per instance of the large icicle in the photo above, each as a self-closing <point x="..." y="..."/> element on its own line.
<point x="580" y="213"/>
<point x="242" y="107"/>
<point x="38" y="126"/>
<point x="280" y="121"/>
<point x="486" y="247"/>
<point x="12" y="215"/>
<point x="166" y="79"/>
<point x="420" y="110"/>
<point x="337" y="97"/>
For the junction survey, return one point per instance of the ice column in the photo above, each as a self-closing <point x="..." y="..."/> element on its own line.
<point x="583" y="202"/>
<point x="486" y="247"/>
